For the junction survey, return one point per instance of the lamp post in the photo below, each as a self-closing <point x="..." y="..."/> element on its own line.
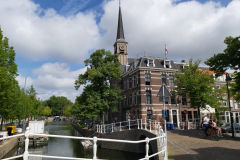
<point x="228" y="78"/>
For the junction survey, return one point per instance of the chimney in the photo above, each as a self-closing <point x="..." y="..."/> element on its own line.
<point x="183" y="61"/>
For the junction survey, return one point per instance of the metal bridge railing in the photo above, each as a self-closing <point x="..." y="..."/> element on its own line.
<point x="160" y="136"/>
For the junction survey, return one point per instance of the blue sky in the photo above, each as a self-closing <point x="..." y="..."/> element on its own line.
<point x="52" y="38"/>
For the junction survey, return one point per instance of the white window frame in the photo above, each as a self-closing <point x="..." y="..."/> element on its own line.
<point x="153" y="62"/>
<point x="168" y="62"/>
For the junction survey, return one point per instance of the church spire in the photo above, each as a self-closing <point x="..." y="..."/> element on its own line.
<point x="120" y="32"/>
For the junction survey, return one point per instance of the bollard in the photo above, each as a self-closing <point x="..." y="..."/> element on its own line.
<point x="25" y="155"/>
<point x="120" y="127"/>
<point x="94" y="148"/>
<point x="141" y="124"/>
<point x="147" y="148"/>
<point x="138" y="123"/>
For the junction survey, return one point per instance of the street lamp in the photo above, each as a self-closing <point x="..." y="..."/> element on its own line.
<point x="228" y="78"/>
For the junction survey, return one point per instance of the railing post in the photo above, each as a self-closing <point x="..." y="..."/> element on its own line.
<point x="94" y="148"/>
<point x="25" y="155"/>
<point x="150" y="125"/>
<point x="147" y="148"/>
<point x="155" y="128"/>
<point x="138" y="123"/>
<point x="141" y="124"/>
<point x="159" y="127"/>
<point x="120" y="127"/>
<point x="112" y="127"/>
<point x="145" y="124"/>
<point x="129" y="123"/>
<point x="165" y="142"/>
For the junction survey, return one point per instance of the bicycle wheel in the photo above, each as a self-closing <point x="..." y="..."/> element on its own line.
<point x="201" y="133"/>
<point x="214" y="136"/>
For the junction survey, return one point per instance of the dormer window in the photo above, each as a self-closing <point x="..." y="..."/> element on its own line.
<point x="133" y="65"/>
<point x="150" y="63"/>
<point x="167" y="64"/>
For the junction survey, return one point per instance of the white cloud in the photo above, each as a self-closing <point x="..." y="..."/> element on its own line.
<point x="190" y="29"/>
<point x="54" y="79"/>
<point x="50" y="36"/>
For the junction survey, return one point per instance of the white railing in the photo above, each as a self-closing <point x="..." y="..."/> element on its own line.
<point x="127" y="125"/>
<point x="161" y="136"/>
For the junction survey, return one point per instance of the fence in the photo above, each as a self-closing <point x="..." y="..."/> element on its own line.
<point x="120" y="126"/>
<point x="160" y="136"/>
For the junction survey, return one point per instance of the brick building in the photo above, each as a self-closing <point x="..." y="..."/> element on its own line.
<point x="141" y="80"/>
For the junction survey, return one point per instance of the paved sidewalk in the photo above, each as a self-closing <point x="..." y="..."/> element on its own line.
<point x="188" y="145"/>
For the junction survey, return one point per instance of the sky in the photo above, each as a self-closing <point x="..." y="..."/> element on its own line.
<point x="52" y="38"/>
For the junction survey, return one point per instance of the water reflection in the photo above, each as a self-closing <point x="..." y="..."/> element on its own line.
<point x="70" y="147"/>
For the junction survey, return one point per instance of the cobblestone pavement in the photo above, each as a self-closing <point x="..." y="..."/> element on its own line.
<point x="188" y="145"/>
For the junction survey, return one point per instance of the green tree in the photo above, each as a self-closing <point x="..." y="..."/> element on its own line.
<point x="230" y="59"/>
<point x="100" y="93"/>
<point x="198" y="86"/>
<point x="67" y="110"/>
<point x="8" y="73"/>
<point x="57" y="104"/>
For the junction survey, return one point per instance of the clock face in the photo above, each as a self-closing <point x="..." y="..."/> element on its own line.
<point x="121" y="47"/>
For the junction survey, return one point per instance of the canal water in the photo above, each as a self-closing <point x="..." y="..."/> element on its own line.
<point x="70" y="147"/>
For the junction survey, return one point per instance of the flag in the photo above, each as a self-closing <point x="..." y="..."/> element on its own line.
<point x="166" y="51"/>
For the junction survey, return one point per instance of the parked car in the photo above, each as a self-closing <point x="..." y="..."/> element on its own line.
<point x="227" y="128"/>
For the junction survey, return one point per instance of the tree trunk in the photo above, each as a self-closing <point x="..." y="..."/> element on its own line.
<point x="198" y="117"/>
<point x="1" y="124"/>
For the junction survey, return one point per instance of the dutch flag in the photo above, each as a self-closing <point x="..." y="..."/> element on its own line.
<point x="166" y="51"/>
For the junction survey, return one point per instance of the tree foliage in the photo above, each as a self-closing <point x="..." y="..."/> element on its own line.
<point x="100" y="93"/>
<point x="230" y="59"/>
<point x="198" y="86"/>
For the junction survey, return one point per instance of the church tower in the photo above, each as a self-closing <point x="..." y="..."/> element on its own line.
<point x="120" y="46"/>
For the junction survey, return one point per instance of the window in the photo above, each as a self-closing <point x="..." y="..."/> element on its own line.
<point x="133" y="98"/>
<point x="130" y="82"/>
<point x="147" y="79"/>
<point x="148" y="97"/>
<point x="136" y="98"/>
<point x="127" y="99"/>
<point x="218" y="87"/>
<point x="190" y="116"/>
<point x="225" y="102"/>
<point x="149" y="114"/>
<point x="133" y="65"/>
<point x="227" y="117"/>
<point x="184" y="101"/>
<point x="183" y="117"/>
<point x="133" y="80"/>
<point x="164" y="79"/>
<point x="173" y="97"/>
<point x="127" y="84"/>
<point x="171" y="83"/>
<point x="136" y="80"/>
<point x="150" y="61"/>
<point x="181" y="67"/>
<point x="236" y="105"/>
<point x="231" y="103"/>
<point x="222" y="115"/>
<point x="167" y="65"/>
<point x="124" y="85"/>
<point x="195" y="115"/>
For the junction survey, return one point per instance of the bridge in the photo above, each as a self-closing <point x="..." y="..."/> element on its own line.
<point x="143" y="136"/>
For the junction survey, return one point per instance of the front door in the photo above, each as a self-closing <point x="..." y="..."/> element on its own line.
<point x="175" y="123"/>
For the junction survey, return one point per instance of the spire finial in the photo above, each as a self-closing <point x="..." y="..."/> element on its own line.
<point x="119" y="3"/>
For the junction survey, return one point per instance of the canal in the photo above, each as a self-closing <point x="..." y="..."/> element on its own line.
<point x="70" y="147"/>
